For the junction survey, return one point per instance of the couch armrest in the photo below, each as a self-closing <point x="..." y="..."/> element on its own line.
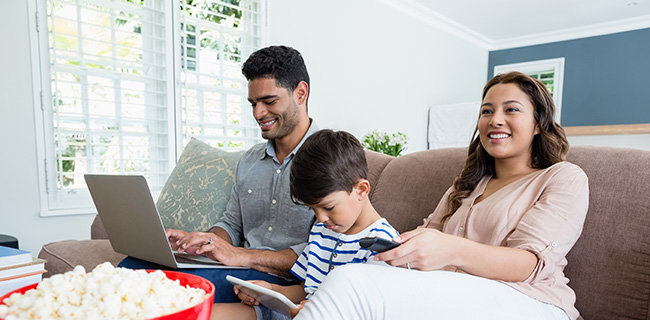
<point x="97" y="230"/>
<point x="63" y="256"/>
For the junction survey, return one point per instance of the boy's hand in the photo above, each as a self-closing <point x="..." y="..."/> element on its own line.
<point x="249" y="297"/>
<point x="294" y="312"/>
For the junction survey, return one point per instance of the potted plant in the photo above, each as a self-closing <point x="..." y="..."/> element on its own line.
<point x="390" y="144"/>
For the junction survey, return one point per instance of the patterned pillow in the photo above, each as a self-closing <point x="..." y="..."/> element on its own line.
<point x="197" y="191"/>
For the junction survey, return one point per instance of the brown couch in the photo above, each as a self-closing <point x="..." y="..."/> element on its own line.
<point x="609" y="267"/>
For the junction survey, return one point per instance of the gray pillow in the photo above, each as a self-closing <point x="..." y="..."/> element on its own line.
<point x="195" y="196"/>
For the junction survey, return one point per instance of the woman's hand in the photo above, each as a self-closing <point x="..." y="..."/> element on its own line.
<point x="429" y="249"/>
<point x="423" y="249"/>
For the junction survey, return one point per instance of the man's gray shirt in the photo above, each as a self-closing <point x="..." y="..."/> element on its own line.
<point x="260" y="213"/>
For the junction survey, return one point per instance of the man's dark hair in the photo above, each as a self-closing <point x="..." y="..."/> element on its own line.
<point x="327" y="162"/>
<point x="284" y="64"/>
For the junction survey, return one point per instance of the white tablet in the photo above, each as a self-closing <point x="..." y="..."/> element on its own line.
<point x="267" y="297"/>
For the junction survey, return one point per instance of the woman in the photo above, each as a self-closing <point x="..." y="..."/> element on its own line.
<point x="504" y="228"/>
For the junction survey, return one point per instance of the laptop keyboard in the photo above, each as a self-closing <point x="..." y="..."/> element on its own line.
<point x="184" y="258"/>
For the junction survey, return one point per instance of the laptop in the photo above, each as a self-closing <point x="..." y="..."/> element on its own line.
<point x="132" y="222"/>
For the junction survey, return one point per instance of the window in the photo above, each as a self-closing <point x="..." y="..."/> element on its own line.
<point x="126" y="83"/>
<point x="550" y="72"/>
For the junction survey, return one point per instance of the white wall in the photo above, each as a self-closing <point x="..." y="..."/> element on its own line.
<point x="372" y="68"/>
<point x="19" y="200"/>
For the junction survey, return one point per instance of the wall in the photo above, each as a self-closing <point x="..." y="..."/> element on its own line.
<point x="19" y="201"/>
<point x="372" y="68"/>
<point x="605" y="77"/>
<point x="605" y="82"/>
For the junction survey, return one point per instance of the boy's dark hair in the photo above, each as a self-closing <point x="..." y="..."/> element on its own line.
<point x="327" y="162"/>
<point x="284" y="64"/>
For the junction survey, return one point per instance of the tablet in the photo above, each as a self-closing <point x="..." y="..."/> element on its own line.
<point x="267" y="297"/>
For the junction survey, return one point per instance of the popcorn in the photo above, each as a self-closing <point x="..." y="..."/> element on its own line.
<point x="105" y="293"/>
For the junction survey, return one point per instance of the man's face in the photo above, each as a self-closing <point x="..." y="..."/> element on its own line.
<point x="275" y="108"/>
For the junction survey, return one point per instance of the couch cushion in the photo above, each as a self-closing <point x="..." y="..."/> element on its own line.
<point x="408" y="179"/>
<point x="376" y="164"/>
<point x="197" y="190"/>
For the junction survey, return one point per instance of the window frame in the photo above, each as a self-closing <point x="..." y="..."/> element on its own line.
<point x="540" y="66"/>
<point x="49" y="196"/>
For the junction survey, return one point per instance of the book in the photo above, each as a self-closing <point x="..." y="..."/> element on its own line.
<point x="31" y="273"/>
<point x="35" y="265"/>
<point x="267" y="297"/>
<point x="10" y="256"/>
<point x="17" y="283"/>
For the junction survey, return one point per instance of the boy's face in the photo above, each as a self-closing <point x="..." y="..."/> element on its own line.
<point x="340" y="211"/>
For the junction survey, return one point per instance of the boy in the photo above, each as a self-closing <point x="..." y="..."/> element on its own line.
<point x="330" y="175"/>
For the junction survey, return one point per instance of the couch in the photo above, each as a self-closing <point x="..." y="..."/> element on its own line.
<point x="609" y="267"/>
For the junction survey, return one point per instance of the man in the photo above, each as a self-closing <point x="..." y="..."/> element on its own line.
<point x="262" y="228"/>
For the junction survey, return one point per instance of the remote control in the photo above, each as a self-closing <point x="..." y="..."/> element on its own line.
<point x="377" y="244"/>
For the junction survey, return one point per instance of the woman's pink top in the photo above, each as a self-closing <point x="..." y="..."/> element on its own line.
<point x="542" y="212"/>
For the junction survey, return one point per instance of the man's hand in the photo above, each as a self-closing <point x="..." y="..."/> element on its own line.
<point x="208" y="244"/>
<point x="218" y="249"/>
<point x="173" y="236"/>
<point x="217" y="245"/>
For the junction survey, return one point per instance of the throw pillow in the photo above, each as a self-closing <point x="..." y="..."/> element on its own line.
<point x="195" y="195"/>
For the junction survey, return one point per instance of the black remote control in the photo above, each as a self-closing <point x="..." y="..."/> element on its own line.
<point x="377" y="244"/>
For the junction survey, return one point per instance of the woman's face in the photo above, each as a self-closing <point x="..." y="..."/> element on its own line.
<point x="507" y="123"/>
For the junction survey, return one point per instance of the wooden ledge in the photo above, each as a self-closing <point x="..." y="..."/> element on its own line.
<point x="608" y="130"/>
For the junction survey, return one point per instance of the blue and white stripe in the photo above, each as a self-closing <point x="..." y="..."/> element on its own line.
<point x="328" y="249"/>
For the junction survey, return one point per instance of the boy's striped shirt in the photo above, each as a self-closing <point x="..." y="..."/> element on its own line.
<point x="327" y="250"/>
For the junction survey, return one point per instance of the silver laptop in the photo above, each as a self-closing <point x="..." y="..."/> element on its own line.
<point x="132" y="222"/>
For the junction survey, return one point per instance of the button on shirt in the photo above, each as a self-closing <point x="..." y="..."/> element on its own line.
<point x="260" y="213"/>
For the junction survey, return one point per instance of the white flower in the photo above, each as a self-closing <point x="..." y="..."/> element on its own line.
<point x="391" y="144"/>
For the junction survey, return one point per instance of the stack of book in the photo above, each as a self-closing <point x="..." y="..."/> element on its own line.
<point x="18" y="269"/>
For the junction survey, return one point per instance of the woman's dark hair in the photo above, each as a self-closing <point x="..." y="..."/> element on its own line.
<point x="327" y="162"/>
<point x="549" y="146"/>
<point x="284" y="64"/>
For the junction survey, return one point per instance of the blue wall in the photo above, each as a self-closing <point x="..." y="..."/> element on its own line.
<point x="606" y="78"/>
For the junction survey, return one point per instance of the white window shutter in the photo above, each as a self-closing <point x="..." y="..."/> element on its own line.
<point x="126" y="83"/>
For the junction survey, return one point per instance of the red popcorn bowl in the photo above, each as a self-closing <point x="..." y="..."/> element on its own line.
<point x="200" y="311"/>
